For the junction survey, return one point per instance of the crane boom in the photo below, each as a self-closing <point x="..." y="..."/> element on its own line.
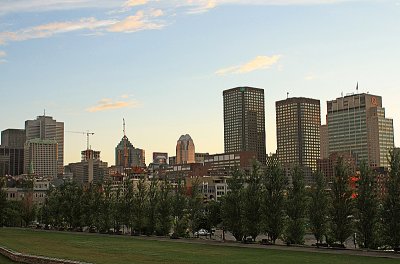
<point x="87" y="133"/>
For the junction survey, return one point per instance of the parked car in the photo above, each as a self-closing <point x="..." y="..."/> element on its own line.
<point x="202" y="232"/>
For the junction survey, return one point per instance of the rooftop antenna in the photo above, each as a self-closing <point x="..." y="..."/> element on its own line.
<point x="123" y="120"/>
<point x="287" y="95"/>
<point x="125" y="146"/>
<point x="357" y="87"/>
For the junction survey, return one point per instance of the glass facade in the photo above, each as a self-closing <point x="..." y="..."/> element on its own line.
<point x="244" y="121"/>
<point x="298" y="122"/>
<point x="357" y="124"/>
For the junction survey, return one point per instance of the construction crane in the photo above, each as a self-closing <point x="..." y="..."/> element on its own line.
<point x="87" y="133"/>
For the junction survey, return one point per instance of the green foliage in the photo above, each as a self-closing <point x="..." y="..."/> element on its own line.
<point x="106" y="207"/>
<point x="296" y="206"/>
<point x="179" y="205"/>
<point x="367" y="207"/>
<point x="318" y="208"/>
<point x="164" y="209"/>
<point x="231" y="206"/>
<point x="273" y="201"/>
<point x="196" y="212"/>
<point x="251" y="203"/>
<point x="151" y="208"/>
<point x="342" y="205"/>
<point x="28" y="209"/>
<point x="139" y="206"/>
<point x="13" y="214"/>
<point x="391" y="205"/>
<point x="213" y="214"/>
<point x="3" y="200"/>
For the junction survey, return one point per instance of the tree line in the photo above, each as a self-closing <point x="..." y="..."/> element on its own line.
<point x="258" y="202"/>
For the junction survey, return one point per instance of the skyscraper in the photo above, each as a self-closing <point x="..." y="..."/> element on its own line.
<point x="127" y="156"/>
<point x="298" y="122"/>
<point x="12" y="152"/>
<point x="324" y="142"/>
<point x="13" y="138"/>
<point x="90" y="169"/>
<point x="357" y="124"/>
<point x="46" y="128"/>
<point x="185" y="150"/>
<point x="40" y="155"/>
<point x="244" y="121"/>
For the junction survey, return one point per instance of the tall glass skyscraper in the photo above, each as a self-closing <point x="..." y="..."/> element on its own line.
<point x="357" y="124"/>
<point x="244" y="121"/>
<point x="298" y="122"/>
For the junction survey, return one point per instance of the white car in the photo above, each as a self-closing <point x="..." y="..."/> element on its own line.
<point x="202" y="232"/>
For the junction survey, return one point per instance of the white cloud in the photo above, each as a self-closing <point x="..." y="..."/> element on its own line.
<point x="50" y="29"/>
<point x="2" y="54"/>
<point x="147" y="19"/>
<point x="134" y="23"/>
<point x="132" y="3"/>
<point x="108" y="104"/>
<point x="202" y="6"/>
<point x="260" y="62"/>
<point x="17" y="6"/>
<point x="156" y="13"/>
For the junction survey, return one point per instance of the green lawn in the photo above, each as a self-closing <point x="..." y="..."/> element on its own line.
<point x="125" y="249"/>
<point x="4" y="260"/>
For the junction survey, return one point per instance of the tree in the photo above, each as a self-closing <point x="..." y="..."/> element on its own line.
<point x="367" y="207"/>
<point x="296" y="206"/>
<point x="118" y="209"/>
<point x="231" y="205"/>
<point x="251" y="203"/>
<point x="28" y="212"/>
<point x="391" y="204"/>
<point x="3" y="200"/>
<point x="28" y="208"/>
<point x="318" y="208"/>
<point x="151" y="207"/>
<point x="13" y="213"/>
<point x="106" y="208"/>
<point x="196" y="213"/>
<point x="273" y="201"/>
<point x="213" y="214"/>
<point x="163" y="215"/>
<point x="139" y="206"/>
<point x="178" y="209"/>
<point x="127" y="213"/>
<point x="342" y="204"/>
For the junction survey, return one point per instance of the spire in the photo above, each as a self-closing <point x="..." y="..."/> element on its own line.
<point x="31" y="169"/>
<point x="123" y="119"/>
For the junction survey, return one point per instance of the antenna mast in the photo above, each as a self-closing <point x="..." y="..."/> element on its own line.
<point x="125" y="146"/>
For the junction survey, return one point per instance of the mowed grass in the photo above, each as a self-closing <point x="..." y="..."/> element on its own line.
<point x="4" y="260"/>
<point x="124" y="249"/>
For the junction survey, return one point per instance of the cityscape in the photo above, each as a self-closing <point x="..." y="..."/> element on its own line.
<point x="147" y="122"/>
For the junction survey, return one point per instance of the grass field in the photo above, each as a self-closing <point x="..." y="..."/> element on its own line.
<point x="113" y="249"/>
<point x="4" y="260"/>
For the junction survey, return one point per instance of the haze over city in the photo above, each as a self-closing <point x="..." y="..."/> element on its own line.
<point x="162" y="65"/>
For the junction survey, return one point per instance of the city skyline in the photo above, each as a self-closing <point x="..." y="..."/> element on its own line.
<point x="163" y="66"/>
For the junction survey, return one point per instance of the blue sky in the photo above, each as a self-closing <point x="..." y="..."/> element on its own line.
<point x="162" y="65"/>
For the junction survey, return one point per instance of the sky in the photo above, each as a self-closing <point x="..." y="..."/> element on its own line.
<point x="162" y="65"/>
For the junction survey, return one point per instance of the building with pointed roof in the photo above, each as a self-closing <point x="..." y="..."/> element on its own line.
<point x="185" y="150"/>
